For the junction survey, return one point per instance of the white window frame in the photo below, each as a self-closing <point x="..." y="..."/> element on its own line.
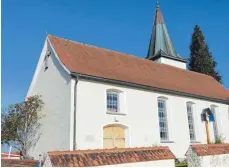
<point x="121" y="102"/>
<point x="191" y="121"/>
<point x="113" y="110"/>
<point x="163" y="118"/>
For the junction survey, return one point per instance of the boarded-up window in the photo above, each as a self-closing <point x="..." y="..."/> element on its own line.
<point x="113" y="137"/>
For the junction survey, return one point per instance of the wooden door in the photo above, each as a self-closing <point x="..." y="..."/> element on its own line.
<point x="113" y="137"/>
<point x="108" y="137"/>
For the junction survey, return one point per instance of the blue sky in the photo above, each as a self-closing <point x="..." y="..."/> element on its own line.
<point x="118" y="25"/>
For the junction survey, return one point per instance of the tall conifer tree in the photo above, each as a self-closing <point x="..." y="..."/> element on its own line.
<point x="201" y="59"/>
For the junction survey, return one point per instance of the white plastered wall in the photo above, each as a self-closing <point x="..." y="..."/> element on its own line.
<point x="215" y="161"/>
<point x="141" y="118"/>
<point x="54" y="85"/>
<point x="171" y="62"/>
<point x="193" y="160"/>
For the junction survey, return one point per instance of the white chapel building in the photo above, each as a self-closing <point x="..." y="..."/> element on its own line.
<point x="99" y="98"/>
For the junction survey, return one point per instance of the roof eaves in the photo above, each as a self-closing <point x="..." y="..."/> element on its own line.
<point x="135" y="85"/>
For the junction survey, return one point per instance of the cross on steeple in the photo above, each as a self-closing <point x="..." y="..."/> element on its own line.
<point x="157" y="2"/>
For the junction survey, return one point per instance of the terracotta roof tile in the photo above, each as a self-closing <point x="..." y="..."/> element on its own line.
<point x="13" y="155"/>
<point x="210" y="149"/>
<point x="19" y="163"/>
<point x="87" y="59"/>
<point x="98" y="157"/>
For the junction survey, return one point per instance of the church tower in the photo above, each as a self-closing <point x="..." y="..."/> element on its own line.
<point x="161" y="48"/>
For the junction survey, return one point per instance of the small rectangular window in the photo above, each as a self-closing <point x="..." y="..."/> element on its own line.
<point x="163" y="123"/>
<point x="112" y="102"/>
<point x="191" y="122"/>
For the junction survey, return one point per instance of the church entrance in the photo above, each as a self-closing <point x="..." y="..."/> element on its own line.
<point x="113" y="137"/>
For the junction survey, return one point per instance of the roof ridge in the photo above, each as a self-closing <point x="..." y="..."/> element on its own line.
<point x="90" y="45"/>
<point x="137" y="57"/>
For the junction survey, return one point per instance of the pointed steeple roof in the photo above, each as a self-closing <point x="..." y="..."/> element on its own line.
<point x="160" y="43"/>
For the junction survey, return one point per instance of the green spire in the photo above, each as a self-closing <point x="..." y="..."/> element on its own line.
<point x="160" y="43"/>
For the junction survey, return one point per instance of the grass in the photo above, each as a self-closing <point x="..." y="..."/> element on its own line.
<point x="181" y="165"/>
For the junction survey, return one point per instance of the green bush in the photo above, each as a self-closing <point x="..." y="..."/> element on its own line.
<point x="181" y="164"/>
<point x="219" y="140"/>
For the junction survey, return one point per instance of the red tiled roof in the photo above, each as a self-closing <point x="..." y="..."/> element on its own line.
<point x="12" y="153"/>
<point x="210" y="149"/>
<point x="103" y="63"/>
<point x="99" y="157"/>
<point x="18" y="163"/>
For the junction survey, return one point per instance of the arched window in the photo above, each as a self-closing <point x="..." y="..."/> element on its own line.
<point x="114" y="136"/>
<point x="215" y="126"/>
<point x="163" y="118"/>
<point x="191" y="126"/>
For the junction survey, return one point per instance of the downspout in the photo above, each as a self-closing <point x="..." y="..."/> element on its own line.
<point x="74" y="116"/>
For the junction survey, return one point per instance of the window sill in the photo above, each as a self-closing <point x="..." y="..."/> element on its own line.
<point x="167" y="141"/>
<point x="116" y="113"/>
<point x="195" y="142"/>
